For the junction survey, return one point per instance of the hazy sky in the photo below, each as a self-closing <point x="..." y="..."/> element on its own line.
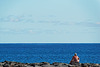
<point x="50" y="21"/>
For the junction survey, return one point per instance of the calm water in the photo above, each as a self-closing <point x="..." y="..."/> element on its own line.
<point x="49" y="52"/>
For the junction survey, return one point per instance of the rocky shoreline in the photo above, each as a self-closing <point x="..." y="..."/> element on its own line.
<point x="46" y="64"/>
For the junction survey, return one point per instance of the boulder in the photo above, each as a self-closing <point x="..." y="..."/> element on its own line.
<point x="71" y="65"/>
<point x="56" y="64"/>
<point x="1" y="63"/>
<point x="6" y="65"/>
<point x="46" y="64"/>
<point x="1" y="66"/>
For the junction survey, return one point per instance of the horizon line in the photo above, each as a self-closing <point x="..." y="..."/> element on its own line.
<point x="49" y="42"/>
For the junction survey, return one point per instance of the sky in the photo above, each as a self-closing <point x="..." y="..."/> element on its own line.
<point x="49" y="21"/>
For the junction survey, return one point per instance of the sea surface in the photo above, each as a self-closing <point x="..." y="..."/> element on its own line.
<point x="49" y="52"/>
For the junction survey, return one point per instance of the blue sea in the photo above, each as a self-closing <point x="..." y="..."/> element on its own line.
<point x="49" y="52"/>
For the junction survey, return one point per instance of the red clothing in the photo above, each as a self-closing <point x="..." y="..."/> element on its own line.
<point x="75" y="59"/>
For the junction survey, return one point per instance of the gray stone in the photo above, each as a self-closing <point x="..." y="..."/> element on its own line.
<point x="51" y="66"/>
<point x="29" y="66"/>
<point x="37" y="66"/>
<point x="1" y="66"/>
<point x="71" y="65"/>
<point x="84" y="65"/>
<point x="64" y="65"/>
<point x="1" y="63"/>
<point x="46" y="64"/>
<point x="13" y="63"/>
<point x="57" y="64"/>
<point x="96" y="65"/>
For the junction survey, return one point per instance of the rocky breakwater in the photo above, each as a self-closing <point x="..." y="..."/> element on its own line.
<point x="46" y="64"/>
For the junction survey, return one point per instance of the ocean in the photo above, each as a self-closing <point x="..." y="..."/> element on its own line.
<point x="49" y="52"/>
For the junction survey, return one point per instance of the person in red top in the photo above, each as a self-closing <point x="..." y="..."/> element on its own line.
<point x="75" y="58"/>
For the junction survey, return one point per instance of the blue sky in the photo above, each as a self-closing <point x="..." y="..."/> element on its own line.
<point x="66" y="21"/>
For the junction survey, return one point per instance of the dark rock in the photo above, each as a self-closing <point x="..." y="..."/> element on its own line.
<point x="89" y="65"/>
<point x="96" y="65"/>
<point x="7" y="62"/>
<point x="71" y="65"/>
<point x="35" y="64"/>
<point x="85" y="65"/>
<point x="57" y="64"/>
<point x="46" y="64"/>
<point x="16" y="65"/>
<point x="12" y="66"/>
<point x="6" y="65"/>
<point x="65" y="65"/>
<point x="40" y="64"/>
<point x="32" y="64"/>
<point x="29" y="66"/>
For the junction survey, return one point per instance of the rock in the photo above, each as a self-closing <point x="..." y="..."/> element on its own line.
<point x="96" y="65"/>
<point x="46" y="64"/>
<point x="29" y="66"/>
<point x="1" y="66"/>
<point x="57" y="64"/>
<point x="1" y="63"/>
<point x="71" y="65"/>
<point x="84" y="65"/>
<point x="13" y="63"/>
<point x="77" y="64"/>
<point x="37" y="66"/>
<point x="6" y="65"/>
<point x="12" y="66"/>
<point x="32" y="64"/>
<point x="40" y="64"/>
<point x="89" y="65"/>
<point x="7" y="62"/>
<point x="64" y="65"/>
<point x="16" y="65"/>
<point x="51" y="66"/>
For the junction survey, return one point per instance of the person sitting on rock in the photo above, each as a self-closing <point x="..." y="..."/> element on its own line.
<point x="75" y="59"/>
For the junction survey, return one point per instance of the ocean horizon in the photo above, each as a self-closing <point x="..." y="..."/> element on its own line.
<point x="49" y="52"/>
